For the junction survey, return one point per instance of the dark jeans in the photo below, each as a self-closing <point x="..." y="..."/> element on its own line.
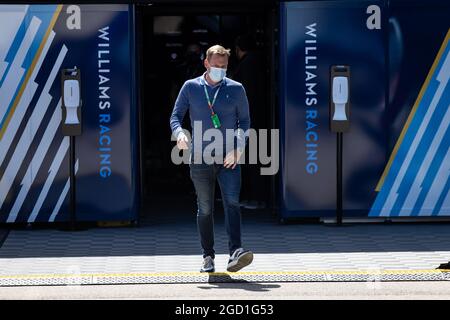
<point x="204" y="178"/>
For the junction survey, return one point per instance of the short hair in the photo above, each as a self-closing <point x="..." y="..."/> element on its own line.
<point x="217" y="49"/>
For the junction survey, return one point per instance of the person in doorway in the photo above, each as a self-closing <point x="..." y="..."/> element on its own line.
<point x="208" y="98"/>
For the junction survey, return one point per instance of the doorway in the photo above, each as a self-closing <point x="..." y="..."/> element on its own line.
<point x="172" y="43"/>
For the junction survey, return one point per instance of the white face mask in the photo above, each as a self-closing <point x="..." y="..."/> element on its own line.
<point x="217" y="74"/>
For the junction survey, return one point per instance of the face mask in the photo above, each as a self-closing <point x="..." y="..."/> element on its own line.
<point x="217" y="74"/>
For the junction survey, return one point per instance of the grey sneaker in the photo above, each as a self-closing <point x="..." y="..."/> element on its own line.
<point x="239" y="259"/>
<point x="208" y="265"/>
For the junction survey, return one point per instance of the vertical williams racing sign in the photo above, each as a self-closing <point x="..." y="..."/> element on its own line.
<point x="100" y="40"/>
<point x="314" y="36"/>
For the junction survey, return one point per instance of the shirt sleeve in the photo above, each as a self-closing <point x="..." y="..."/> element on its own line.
<point x="179" y="110"/>
<point x="244" y="120"/>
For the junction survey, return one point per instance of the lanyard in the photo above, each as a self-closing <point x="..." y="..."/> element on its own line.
<point x="211" y="104"/>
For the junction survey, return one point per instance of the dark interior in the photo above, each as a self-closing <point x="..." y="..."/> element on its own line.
<point x="172" y="44"/>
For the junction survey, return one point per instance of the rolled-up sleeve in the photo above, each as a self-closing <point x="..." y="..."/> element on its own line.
<point x="179" y="110"/>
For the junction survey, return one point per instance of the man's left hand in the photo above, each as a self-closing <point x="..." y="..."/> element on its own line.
<point x="232" y="159"/>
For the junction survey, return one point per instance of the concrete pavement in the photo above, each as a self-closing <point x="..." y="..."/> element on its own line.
<point x="239" y="291"/>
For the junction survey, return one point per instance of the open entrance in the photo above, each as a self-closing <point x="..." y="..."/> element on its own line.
<point x="172" y="43"/>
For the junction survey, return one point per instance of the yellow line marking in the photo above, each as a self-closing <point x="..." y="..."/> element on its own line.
<point x="255" y="273"/>
<point x="413" y="112"/>
<point x="30" y="71"/>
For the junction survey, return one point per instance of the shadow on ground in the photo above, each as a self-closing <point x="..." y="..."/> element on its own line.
<point x="224" y="281"/>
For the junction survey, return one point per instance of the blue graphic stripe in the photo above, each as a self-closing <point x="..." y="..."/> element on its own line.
<point x="12" y="51"/>
<point x="440" y="202"/>
<point x="431" y="174"/>
<point x="403" y="150"/>
<point x="406" y="144"/>
<point x="45" y="16"/>
<point x="422" y="150"/>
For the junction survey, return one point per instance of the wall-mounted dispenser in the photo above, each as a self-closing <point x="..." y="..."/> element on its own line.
<point x="71" y="102"/>
<point x="340" y="98"/>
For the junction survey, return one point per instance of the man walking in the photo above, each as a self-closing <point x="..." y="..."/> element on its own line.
<point x="215" y="102"/>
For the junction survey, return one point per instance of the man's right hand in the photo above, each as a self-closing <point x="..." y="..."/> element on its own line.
<point x="182" y="141"/>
